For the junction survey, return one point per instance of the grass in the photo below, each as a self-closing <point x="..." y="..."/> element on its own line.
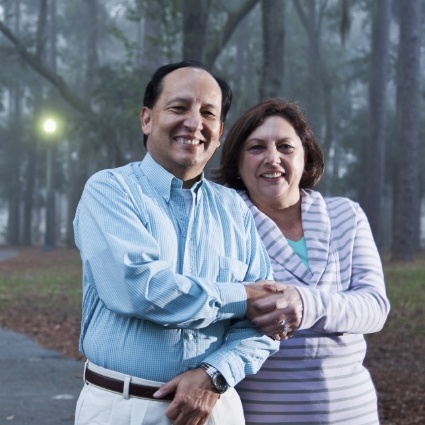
<point x="406" y="290"/>
<point x="43" y="291"/>
<point x="41" y="280"/>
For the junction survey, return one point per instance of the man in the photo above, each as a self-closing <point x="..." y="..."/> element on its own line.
<point x="164" y="256"/>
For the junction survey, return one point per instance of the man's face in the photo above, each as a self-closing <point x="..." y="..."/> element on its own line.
<point x="184" y="126"/>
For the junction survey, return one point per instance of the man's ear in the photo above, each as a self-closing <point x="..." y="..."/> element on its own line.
<point x="220" y="132"/>
<point x="146" y="120"/>
<point x="221" y="128"/>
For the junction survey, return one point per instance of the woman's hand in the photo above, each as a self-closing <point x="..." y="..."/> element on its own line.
<point x="279" y="313"/>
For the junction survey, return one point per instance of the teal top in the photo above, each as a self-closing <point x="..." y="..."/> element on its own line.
<point x="300" y="248"/>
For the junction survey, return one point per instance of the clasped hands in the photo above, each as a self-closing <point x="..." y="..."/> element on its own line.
<point x="269" y="304"/>
<point x="274" y="308"/>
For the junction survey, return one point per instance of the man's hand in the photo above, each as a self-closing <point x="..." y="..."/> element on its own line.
<point x="194" y="399"/>
<point x="254" y="293"/>
<point x="278" y="312"/>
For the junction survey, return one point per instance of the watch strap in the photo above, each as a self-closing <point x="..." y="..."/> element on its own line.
<point x="215" y="376"/>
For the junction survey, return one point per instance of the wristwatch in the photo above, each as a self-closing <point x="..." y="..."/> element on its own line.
<point x="218" y="382"/>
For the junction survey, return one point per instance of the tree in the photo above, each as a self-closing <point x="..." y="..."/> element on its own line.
<point x="15" y="147"/>
<point x="375" y="156"/>
<point x="51" y="147"/>
<point x="33" y="144"/>
<point x="407" y="201"/>
<point x="195" y="15"/>
<point x="106" y="56"/>
<point x="224" y="32"/>
<point x="273" y="42"/>
<point x="152" y="59"/>
<point x="311" y="19"/>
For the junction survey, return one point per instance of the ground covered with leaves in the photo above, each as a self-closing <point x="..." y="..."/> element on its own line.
<point x="46" y="306"/>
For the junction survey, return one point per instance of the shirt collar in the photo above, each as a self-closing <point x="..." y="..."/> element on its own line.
<point x="163" y="181"/>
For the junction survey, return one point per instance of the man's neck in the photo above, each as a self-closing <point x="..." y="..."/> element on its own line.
<point x="187" y="184"/>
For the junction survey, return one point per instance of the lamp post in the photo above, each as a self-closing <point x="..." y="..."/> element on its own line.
<point x="49" y="127"/>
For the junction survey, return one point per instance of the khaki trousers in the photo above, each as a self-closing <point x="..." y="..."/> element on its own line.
<point x="97" y="406"/>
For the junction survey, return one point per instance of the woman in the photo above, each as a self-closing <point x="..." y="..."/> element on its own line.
<point x="324" y="248"/>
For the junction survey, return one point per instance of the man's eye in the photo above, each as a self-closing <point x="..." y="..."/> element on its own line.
<point x="208" y="113"/>
<point x="177" y="108"/>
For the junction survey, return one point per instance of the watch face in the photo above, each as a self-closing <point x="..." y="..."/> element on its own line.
<point x="220" y="383"/>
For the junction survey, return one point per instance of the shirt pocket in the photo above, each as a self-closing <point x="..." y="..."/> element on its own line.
<point x="231" y="270"/>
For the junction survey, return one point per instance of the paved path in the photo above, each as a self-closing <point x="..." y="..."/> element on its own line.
<point x="5" y="254"/>
<point x="37" y="386"/>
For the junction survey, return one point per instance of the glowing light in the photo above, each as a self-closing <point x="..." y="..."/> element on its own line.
<point x="49" y="126"/>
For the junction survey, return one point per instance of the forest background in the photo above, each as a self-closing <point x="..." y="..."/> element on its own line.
<point x="353" y="65"/>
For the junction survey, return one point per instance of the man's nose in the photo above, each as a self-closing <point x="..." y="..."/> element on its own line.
<point x="193" y="120"/>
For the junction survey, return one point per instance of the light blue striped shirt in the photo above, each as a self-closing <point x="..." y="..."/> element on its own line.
<point x="162" y="289"/>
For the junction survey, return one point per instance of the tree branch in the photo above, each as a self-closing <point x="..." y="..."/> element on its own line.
<point x="56" y="80"/>
<point x="232" y="22"/>
<point x="301" y="14"/>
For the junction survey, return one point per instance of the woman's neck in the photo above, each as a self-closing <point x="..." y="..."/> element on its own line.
<point x="287" y="217"/>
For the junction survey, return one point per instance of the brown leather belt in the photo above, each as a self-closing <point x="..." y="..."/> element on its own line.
<point x="117" y="386"/>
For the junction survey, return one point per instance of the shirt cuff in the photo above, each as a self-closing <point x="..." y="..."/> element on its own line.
<point x="309" y="308"/>
<point x="234" y="300"/>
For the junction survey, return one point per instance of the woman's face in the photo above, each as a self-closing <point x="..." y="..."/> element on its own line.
<point x="272" y="163"/>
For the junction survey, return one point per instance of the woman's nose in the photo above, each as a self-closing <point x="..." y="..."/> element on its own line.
<point x="272" y="155"/>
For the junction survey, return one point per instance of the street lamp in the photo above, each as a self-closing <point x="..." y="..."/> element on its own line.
<point x="49" y="127"/>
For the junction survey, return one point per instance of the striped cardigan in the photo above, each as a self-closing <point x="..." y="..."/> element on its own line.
<point x="318" y="377"/>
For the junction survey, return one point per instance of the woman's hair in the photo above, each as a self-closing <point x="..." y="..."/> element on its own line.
<point x="228" y="174"/>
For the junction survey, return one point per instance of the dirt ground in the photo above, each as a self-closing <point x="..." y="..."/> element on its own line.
<point x="396" y="361"/>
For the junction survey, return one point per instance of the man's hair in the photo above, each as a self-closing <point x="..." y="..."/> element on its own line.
<point x="154" y="88"/>
<point x="228" y="174"/>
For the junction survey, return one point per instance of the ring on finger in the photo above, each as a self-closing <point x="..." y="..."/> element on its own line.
<point x="284" y="326"/>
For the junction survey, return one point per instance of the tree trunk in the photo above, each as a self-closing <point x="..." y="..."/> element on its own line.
<point x="273" y="42"/>
<point x="30" y="172"/>
<point x="91" y="54"/>
<point x="152" y="58"/>
<point x="407" y="205"/>
<point x="375" y="156"/>
<point x="313" y="95"/>
<point x="14" y="163"/>
<point x="79" y="175"/>
<point x="13" y="188"/>
<point x="51" y="142"/>
<point x="195" y="15"/>
<point x="329" y="137"/>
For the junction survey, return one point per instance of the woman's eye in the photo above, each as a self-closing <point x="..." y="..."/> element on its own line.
<point x="255" y="148"/>
<point x="286" y="148"/>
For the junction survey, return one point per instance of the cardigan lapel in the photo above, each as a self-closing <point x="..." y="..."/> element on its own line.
<point x="276" y="244"/>
<point x="317" y="232"/>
